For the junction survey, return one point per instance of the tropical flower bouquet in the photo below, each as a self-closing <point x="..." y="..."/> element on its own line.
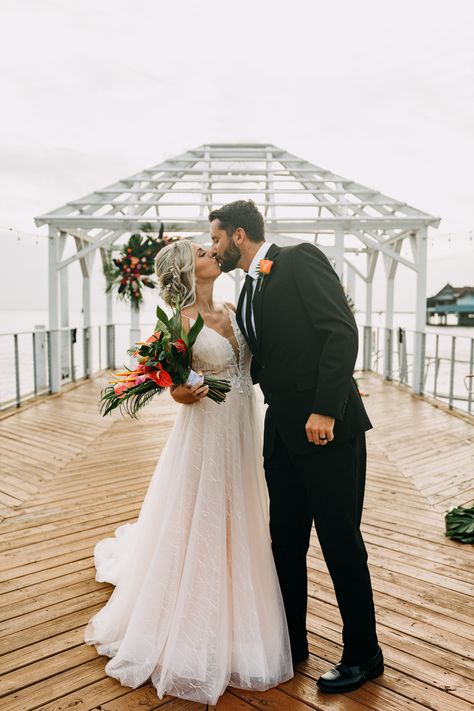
<point x="135" y="266"/>
<point x="164" y="360"/>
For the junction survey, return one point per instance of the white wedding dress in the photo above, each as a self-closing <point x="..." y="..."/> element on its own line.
<point x="196" y="604"/>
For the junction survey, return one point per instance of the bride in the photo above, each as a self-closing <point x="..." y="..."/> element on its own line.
<point x="197" y="605"/>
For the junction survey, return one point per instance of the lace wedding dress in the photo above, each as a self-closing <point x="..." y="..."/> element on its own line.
<point x="196" y="604"/>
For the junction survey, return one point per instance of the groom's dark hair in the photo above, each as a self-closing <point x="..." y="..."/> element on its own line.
<point x="241" y="213"/>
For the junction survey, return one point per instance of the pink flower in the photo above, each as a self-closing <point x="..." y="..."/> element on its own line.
<point x="141" y="379"/>
<point x="120" y="388"/>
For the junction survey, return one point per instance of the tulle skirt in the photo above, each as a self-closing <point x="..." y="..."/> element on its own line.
<point x="197" y="605"/>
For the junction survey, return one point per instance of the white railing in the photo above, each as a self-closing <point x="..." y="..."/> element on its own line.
<point x="448" y="373"/>
<point x="26" y="363"/>
<point x="25" y="360"/>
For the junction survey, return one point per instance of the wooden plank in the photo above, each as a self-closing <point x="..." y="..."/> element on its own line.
<point x="56" y="507"/>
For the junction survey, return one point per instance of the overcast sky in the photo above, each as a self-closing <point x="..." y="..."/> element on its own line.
<point x="379" y="92"/>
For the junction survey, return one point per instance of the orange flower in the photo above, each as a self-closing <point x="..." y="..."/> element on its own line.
<point x="265" y="266"/>
<point x="154" y="337"/>
<point x="264" y="269"/>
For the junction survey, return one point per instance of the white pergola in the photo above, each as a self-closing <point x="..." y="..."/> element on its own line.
<point x="300" y="201"/>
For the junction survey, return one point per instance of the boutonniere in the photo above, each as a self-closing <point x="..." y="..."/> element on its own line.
<point x="264" y="269"/>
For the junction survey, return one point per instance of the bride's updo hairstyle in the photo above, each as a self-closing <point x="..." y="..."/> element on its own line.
<point x="174" y="267"/>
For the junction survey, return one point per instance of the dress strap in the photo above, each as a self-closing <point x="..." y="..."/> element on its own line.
<point x="189" y="320"/>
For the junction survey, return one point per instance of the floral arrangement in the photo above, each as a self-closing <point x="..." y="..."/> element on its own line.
<point x="132" y="270"/>
<point x="164" y="359"/>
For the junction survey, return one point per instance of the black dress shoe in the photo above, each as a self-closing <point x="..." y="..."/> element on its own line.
<point x="347" y="678"/>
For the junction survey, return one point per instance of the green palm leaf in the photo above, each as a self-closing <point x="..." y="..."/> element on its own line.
<point x="460" y="524"/>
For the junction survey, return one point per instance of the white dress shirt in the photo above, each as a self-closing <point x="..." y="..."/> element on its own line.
<point x="253" y="272"/>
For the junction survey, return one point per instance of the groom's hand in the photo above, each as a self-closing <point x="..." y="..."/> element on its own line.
<point x="319" y="429"/>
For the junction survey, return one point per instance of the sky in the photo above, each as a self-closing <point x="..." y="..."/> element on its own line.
<point x="378" y="92"/>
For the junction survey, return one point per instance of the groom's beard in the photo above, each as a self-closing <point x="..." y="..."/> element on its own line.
<point x="230" y="258"/>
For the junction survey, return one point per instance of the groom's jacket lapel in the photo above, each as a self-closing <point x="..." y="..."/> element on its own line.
<point x="259" y="295"/>
<point x="257" y="301"/>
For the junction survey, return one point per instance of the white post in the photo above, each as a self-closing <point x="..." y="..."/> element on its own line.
<point x="388" y="343"/>
<point x="86" y="318"/>
<point x="106" y="255"/>
<point x="369" y="303"/>
<point x="39" y="354"/>
<point x="370" y="271"/>
<point x="339" y="250"/>
<point x="135" y="331"/>
<point x="65" y="336"/>
<point x="53" y="355"/>
<point x="109" y="320"/>
<point x="351" y="282"/>
<point x="110" y="330"/>
<point x="390" y="265"/>
<point x="420" y="323"/>
<point x="109" y="308"/>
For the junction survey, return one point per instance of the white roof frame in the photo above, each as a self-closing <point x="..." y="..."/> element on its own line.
<point x="297" y="197"/>
<point x="300" y="201"/>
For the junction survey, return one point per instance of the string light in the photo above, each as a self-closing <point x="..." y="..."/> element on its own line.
<point x="435" y="240"/>
<point x="22" y="234"/>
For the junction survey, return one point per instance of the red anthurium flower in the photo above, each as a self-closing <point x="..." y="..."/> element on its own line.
<point x="161" y="378"/>
<point x="180" y="345"/>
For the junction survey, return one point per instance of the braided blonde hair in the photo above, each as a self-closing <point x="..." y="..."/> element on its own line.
<point x="175" y="269"/>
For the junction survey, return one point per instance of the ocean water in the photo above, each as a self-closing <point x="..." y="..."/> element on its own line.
<point x="23" y="322"/>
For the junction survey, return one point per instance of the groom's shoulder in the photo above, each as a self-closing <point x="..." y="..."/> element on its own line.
<point x="303" y="250"/>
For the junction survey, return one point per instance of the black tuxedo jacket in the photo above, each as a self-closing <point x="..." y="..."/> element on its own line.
<point x="307" y="343"/>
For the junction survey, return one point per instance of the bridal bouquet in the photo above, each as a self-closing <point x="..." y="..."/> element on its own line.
<point x="164" y="360"/>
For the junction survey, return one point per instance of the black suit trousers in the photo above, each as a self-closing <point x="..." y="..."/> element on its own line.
<point x="326" y="487"/>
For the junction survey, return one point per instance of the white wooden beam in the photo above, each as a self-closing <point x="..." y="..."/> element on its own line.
<point x="135" y="331"/>
<point x="64" y="310"/>
<point x="351" y="281"/>
<point x="371" y="264"/>
<point x="390" y="272"/>
<point x="387" y="251"/>
<point x="269" y="204"/>
<point x="91" y="247"/>
<point x="420" y="319"/>
<point x="339" y="251"/>
<point x="53" y="306"/>
<point x="205" y="196"/>
<point x="354" y="269"/>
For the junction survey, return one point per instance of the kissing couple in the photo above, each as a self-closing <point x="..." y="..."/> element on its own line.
<point x="211" y="579"/>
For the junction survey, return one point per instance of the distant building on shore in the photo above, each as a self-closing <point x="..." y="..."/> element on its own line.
<point x="458" y="300"/>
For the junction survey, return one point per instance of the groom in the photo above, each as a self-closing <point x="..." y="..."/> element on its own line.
<point x="295" y="317"/>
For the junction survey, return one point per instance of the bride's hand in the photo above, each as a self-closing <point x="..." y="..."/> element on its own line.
<point x="187" y="395"/>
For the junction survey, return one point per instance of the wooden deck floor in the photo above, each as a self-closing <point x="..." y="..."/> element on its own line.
<point x="68" y="480"/>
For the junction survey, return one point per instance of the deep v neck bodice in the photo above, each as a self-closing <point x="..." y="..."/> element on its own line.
<point x="215" y="354"/>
